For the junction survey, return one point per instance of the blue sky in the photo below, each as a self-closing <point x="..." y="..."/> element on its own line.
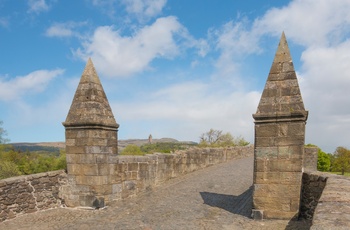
<point x="172" y="68"/>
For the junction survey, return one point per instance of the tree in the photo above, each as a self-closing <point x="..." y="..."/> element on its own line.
<point x="61" y="162"/>
<point x="341" y="160"/>
<point x="3" y="134"/>
<point x="211" y="137"/>
<point x="216" y="138"/>
<point x="8" y="169"/>
<point x="323" y="161"/>
<point x="132" y="150"/>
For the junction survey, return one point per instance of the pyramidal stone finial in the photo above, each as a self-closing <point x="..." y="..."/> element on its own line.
<point x="90" y="106"/>
<point x="281" y="96"/>
<point x="279" y="141"/>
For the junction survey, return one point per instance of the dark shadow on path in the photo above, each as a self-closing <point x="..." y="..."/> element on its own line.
<point x="241" y="204"/>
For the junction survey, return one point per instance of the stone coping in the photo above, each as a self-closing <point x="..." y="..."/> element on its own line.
<point x="333" y="209"/>
<point x="11" y="180"/>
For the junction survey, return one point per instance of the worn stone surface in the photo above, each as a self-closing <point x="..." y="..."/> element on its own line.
<point x="217" y="197"/>
<point x="279" y="140"/>
<point x="333" y="209"/>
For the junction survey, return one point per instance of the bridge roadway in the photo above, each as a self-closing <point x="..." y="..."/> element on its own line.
<point x="217" y="197"/>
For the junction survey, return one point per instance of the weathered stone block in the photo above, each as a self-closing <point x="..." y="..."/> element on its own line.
<point x="296" y="129"/>
<point x="265" y="130"/>
<point x="277" y="191"/>
<point x="260" y="164"/>
<point x="102" y="189"/>
<point x="87" y="159"/>
<point x="279" y="214"/>
<point x="71" y="134"/>
<point x="92" y="180"/>
<point x="75" y="150"/>
<point x="265" y="141"/>
<point x="100" y="158"/>
<point x="133" y="166"/>
<point x="269" y="203"/>
<point x="103" y="169"/>
<point x="265" y="177"/>
<point x="290" y="141"/>
<point x="88" y="169"/>
<point x="276" y="68"/>
<point x="291" y="178"/>
<point x="82" y="169"/>
<point x="70" y="142"/>
<point x="266" y="152"/>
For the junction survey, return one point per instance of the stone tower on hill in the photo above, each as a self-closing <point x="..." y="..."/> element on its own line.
<point x="279" y="141"/>
<point x="91" y="136"/>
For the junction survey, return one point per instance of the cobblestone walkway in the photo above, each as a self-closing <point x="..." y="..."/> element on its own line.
<point x="218" y="197"/>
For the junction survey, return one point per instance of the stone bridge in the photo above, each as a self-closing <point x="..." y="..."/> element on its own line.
<point x="216" y="197"/>
<point x="179" y="191"/>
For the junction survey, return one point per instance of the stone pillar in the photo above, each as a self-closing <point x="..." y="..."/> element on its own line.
<point x="310" y="158"/>
<point x="279" y="141"/>
<point x="91" y="136"/>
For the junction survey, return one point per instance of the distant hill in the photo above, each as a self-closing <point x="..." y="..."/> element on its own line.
<point x="56" y="146"/>
<point x="39" y="147"/>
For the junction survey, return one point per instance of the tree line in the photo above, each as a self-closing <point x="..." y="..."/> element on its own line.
<point x="212" y="138"/>
<point x="338" y="162"/>
<point x="14" y="162"/>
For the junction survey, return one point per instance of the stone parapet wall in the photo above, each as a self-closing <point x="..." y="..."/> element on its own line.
<point x="312" y="188"/>
<point x="130" y="175"/>
<point x="127" y="177"/>
<point x="27" y="194"/>
<point x="310" y="158"/>
<point x="333" y="209"/>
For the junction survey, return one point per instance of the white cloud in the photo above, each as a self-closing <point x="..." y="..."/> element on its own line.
<point x="323" y="29"/>
<point x="308" y="22"/>
<point x="188" y="109"/>
<point x="34" y="82"/>
<point x="37" y="6"/>
<point x="66" y="29"/>
<point x="144" y="9"/>
<point x="234" y="41"/>
<point x="326" y="93"/>
<point x="59" y="30"/>
<point x="106" y="6"/>
<point x="117" y="55"/>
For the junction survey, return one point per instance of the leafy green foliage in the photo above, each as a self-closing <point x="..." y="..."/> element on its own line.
<point x="323" y="161"/>
<point x="3" y="134"/>
<point x="132" y="150"/>
<point x="164" y="147"/>
<point x="216" y="138"/>
<point x="38" y="149"/>
<point x="159" y="147"/>
<point x="341" y="161"/>
<point x="29" y="162"/>
<point x="8" y="169"/>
